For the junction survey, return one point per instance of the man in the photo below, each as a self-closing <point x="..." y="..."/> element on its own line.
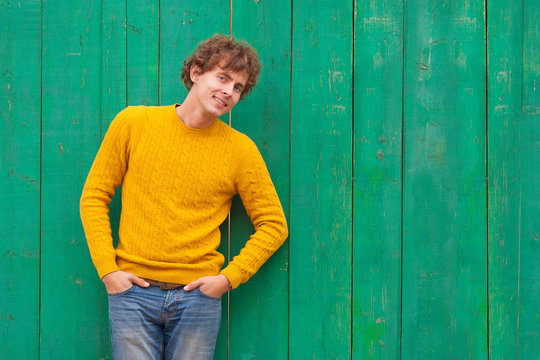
<point x="179" y="167"/>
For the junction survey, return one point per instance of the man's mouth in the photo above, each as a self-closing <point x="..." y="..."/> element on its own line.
<point x="220" y="101"/>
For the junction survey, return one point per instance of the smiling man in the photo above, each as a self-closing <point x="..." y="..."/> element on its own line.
<point x="179" y="167"/>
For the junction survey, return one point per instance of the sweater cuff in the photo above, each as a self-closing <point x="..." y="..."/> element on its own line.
<point x="234" y="274"/>
<point x="106" y="268"/>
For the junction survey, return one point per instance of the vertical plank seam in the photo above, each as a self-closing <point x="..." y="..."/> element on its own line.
<point x="486" y="49"/>
<point x="519" y="171"/>
<point x="290" y="188"/>
<point x="402" y="173"/>
<point x="40" y="179"/>
<point x="352" y="174"/>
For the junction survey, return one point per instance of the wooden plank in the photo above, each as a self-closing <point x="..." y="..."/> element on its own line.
<point x="142" y="51"/>
<point x="513" y="179"/>
<point x="259" y="308"/>
<point x="504" y="112"/>
<point x="321" y="178"/>
<point x="444" y="308"/>
<point x="529" y="266"/>
<point x="113" y="60"/>
<point x="181" y="29"/>
<point x="378" y="65"/>
<point x="71" y="312"/>
<point x="20" y="115"/>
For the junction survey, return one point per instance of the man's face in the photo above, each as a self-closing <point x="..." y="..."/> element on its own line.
<point x="218" y="90"/>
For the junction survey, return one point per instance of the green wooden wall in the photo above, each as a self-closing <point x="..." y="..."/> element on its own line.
<point x="402" y="137"/>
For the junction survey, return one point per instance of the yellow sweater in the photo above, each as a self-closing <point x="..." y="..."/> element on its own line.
<point x="177" y="187"/>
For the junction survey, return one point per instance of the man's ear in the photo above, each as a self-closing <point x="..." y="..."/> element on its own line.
<point x="194" y="73"/>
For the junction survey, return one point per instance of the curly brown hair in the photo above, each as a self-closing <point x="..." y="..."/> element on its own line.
<point x="229" y="54"/>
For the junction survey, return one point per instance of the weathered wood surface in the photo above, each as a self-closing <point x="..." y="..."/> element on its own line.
<point x="402" y="138"/>
<point x="20" y="178"/>
<point x="378" y="77"/>
<point x="529" y="234"/>
<point x="142" y="51"/>
<point x="321" y="179"/>
<point x="73" y="307"/>
<point x="444" y="297"/>
<point x="513" y="179"/>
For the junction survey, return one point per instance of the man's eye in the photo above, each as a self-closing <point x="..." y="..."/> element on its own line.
<point x="237" y="89"/>
<point x="221" y="78"/>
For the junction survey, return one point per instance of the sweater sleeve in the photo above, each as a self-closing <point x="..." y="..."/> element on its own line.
<point x="262" y="204"/>
<point x="106" y="174"/>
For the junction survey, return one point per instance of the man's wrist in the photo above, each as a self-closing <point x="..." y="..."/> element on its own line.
<point x="229" y="285"/>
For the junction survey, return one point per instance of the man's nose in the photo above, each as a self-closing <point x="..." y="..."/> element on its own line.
<point x="228" y="88"/>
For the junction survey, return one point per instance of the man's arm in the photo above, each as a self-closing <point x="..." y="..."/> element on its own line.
<point x="105" y="176"/>
<point x="262" y="204"/>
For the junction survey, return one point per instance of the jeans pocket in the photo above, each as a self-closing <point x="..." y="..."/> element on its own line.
<point x="207" y="296"/>
<point x="122" y="292"/>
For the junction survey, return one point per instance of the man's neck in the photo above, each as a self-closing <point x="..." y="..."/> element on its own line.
<point x="192" y="115"/>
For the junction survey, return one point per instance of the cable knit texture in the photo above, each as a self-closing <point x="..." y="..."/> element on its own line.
<point x="177" y="187"/>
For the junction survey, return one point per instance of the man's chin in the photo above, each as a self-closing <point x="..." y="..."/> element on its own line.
<point x="220" y="113"/>
<point x="216" y="113"/>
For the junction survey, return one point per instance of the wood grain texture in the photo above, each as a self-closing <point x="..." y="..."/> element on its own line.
<point x="504" y="92"/>
<point x="514" y="103"/>
<point x="321" y="181"/>
<point x="259" y="308"/>
<point x="142" y="49"/>
<point x="113" y="61"/>
<point x="71" y="308"/>
<point x="20" y="100"/>
<point x="444" y="308"/>
<point x="378" y="65"/>
<point x="529" y="166"/>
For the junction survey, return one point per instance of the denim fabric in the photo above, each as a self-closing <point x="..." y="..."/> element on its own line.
<point x="149" y="323"/>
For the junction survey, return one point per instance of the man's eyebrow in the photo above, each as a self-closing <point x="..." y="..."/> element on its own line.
<point x="223" y="73"/>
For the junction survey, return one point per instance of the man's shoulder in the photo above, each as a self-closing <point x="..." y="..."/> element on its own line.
<point x="242" y="141"/>
<point x="135" y="115"/>
<point x="235" y="134"/>
<point x="143" y="109"/>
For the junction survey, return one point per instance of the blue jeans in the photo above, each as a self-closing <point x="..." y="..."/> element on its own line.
<point x="149" y="323"/>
